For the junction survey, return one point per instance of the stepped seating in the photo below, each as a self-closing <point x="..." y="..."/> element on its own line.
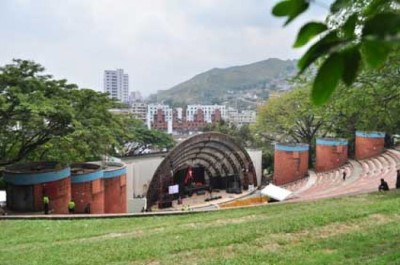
<point x="296" y="185"/>
<point x="388" y="159"/>
<point x="369" y="181"/>
<point x="327" y="182"/>
<point x="322" y="181"/>
<point x="366" y="179"/>
<point x="396" y="156"/>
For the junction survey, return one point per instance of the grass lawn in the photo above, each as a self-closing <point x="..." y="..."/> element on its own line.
<point x="364" y="229"/>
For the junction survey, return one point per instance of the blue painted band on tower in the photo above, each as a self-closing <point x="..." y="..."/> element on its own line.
<point x="36" y="178"/>
<point x="332" y="142"/>
<point x="81" y="178"/>
<point x="114" y="173"/>
<point x="370" y="134"/>
<point x="292" y="148"/>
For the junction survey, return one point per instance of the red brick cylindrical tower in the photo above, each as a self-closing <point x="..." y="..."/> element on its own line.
<point x="331" y="153"/>
<point x="114" y="177"/>
<point x="87" y="188"/>
<point x="369" y="144"/>
<point x="290" y="163"/>
<point x="28" y="183"/>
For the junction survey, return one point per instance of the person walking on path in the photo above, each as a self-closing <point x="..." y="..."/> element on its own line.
<point x="344" y="175"/>
<point x="398" y="179"/>
<point x="71" y="207"/>
<point x="46" y="202"/>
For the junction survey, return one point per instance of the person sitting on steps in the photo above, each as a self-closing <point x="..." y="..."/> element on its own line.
<point x="384" y="186"/>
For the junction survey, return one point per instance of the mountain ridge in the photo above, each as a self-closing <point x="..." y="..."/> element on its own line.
<point x="217" y="85"/>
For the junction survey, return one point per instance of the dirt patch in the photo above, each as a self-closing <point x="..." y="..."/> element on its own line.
<point x="137" y="233"/>
<point x="381" y="218"/>
<point x="328" y="251"/>
<point x="237" y="220"/>
<point x="344" y="228"/>
<point x="219" y="222"/>
<point x="270" y="247"/>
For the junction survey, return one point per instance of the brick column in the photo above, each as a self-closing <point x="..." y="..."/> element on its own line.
<point x="115" y="200"/>
<point x="369" y="144"/>
<point x="28" y="182"/>
<point x="331" y="153"/>
<point x="290" y="163"/>
<point x="87" y="187"/>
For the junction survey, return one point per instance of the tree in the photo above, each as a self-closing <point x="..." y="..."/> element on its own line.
<point x="371" y="103"/>
<point x="140" y="138"/>
<point x="46" y="119"/>
<point x="291" y="118"/>
<point x="356" y="33"/>
<point x="33" y="109"/>
<point x="94" y="130"/>
<point x="242" y="135"/>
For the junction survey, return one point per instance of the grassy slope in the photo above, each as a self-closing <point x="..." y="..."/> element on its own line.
<point x="353" y="230"/>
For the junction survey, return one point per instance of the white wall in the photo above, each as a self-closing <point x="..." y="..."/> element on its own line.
<point x="256" y="157"/>
<point x="140" y="172"/>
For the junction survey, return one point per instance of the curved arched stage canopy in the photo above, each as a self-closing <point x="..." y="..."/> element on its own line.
<point x="217" y="153"/>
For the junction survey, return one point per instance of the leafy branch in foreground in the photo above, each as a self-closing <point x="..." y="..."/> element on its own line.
<point x="356" y="33"/>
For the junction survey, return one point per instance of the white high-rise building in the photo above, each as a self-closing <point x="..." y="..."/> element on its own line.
<point x="116" y="83"/>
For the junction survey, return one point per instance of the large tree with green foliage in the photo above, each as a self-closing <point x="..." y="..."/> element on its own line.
<point x="371" y="103"/>
<point x="34" y="108"/>
<point x="291" y="118"/>
<point x="356" y="33"/>
<point x="42" y="118"/>
<point x="140" y="138"/>
<point x="94" y="130"/>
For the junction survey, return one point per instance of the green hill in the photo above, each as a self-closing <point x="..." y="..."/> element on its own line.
<point x="363" y="229"/>
<point x="216" y="85"/>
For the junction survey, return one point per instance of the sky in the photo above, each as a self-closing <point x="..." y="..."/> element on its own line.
<point x="159" y="43"/>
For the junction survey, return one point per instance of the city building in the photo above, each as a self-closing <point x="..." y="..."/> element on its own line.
<point x="241" y="118"/>
<point x="116" y="83"/>
<point x="139" y="110"/>
<point x="208" y="110"/>
<point x="153" y="109"/>
<point x="193" y="118"/>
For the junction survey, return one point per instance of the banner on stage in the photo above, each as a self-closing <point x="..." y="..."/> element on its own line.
<point x="173" y="189"/>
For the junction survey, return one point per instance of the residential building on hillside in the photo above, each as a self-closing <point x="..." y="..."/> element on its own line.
<point x="241" y="118"/>
<point x="139" y="110"/>
<point x="152" y="109"/>
<point x="194" y="118"/>
<point x="208" y="110"/>
<point x="116" y="83"/>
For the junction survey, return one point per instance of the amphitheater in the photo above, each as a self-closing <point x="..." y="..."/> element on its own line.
<point x="227" y="174"/>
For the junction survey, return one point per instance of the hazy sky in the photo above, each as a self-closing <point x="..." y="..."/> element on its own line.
<point x="159" y="43"/>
